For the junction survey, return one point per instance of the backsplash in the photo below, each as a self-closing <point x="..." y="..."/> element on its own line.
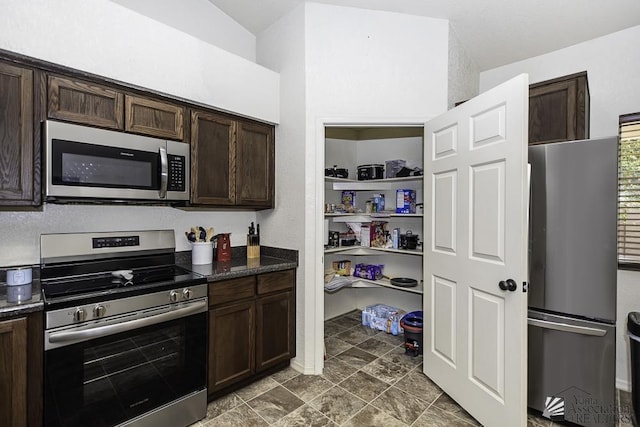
<point x="20" y="231"/>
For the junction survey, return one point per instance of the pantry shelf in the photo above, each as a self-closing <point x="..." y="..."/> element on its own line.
<point x="364" y="250"/>
<point x="357" y="282"/>
<point x="376" y="184"/>
<point x="367" y="217"/>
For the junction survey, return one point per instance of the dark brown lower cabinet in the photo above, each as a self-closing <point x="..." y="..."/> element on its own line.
<point x="21" y="389"/>
<point x="251" y="327"/>
<point x="274" y="340"/>
<point x="231" y="355"/>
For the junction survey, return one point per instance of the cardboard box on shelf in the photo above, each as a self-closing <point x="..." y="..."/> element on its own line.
<point x="349" y="200"/>
<point x="406" y="201"/>
<point x="342" y="267"/>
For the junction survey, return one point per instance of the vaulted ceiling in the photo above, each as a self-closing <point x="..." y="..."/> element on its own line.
<point x="494" y="32"/>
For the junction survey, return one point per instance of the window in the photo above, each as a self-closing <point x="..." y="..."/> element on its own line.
<point x="629" y="192"/>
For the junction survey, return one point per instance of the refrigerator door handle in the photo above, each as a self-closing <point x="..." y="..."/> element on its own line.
<point x="584" y="330"/>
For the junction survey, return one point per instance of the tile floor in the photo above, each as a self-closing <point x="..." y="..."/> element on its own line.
<point x="368" y="380"/>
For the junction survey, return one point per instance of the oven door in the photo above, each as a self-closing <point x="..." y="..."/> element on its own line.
<point x="128" y="375"/>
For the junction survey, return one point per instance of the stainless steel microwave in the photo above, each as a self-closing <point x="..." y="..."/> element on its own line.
<point x="85" y="164"/>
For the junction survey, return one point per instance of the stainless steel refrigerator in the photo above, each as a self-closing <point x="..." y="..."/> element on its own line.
<point x="572" y="276"/>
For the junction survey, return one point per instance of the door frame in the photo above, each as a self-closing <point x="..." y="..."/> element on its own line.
<point x="314" y="214"/>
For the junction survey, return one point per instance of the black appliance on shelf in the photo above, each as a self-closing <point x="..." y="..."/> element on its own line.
<point x="126" y="331"/>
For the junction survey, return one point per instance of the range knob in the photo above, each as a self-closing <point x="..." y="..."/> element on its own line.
<point x="99" y="310"/>
<point x="79" y="315"/>
<point x="187" y="293"/>
<point x="174" y="296"/>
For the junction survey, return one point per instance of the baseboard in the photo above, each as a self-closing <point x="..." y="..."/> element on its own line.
<point x="623" y="385"/>
<point x="301" y="368"/>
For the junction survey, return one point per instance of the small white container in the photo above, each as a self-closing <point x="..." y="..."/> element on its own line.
<point x="19" y="293"/>
<point x="19" y="276"/>
<point x="202" y="253"/>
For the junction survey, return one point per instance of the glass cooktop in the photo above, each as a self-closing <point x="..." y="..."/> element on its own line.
<point x="117" y="284"/>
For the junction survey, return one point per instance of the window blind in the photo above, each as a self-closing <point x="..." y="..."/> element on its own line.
<point x="629" y="192"/>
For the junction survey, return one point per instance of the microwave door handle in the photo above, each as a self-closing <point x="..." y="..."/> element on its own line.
<point x="164" y="172"/>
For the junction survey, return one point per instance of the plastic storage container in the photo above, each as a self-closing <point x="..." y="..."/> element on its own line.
<point x="412" y="325"/>
<point x="633" y="327"/>
<point x="383" y="318"/>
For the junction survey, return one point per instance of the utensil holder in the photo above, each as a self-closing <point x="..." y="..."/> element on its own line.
<point x="253" y="246"/>
<point x="202" y="253"/>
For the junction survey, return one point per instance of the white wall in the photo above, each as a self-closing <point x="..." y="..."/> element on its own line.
<point x="282" y="48"/>
<point x="104" y="38"/>
<point x="344" y="65"/>
<point x="464" y="73"/>
<point x="201" y="19"/>
<point x="372" y="64"/>
<point x="107" y="39"/>
<point x="364" y="66"/>
<point x="612" y="63"/>
<point x="20" y="231"/>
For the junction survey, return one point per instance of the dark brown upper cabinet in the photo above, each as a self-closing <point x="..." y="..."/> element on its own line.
<point x="87" y="103"/>
<point x="19" y="139"/>
<point x="154" y="118"/>
<point x="102" y="106"/>
<point x="232" y="158"/>
<point x="232" y="161"/>
<point x="213" y="148"/>
<point x="254" y="165"/>
<point x="559" y="109"/>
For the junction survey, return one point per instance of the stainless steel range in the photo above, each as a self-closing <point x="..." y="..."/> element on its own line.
<point x="126" y="331"/>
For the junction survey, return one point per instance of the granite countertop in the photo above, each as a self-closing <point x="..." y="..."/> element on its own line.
<point x="271" y="259"/>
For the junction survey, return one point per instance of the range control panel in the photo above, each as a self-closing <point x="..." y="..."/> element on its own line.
<point x="115" y="242"/>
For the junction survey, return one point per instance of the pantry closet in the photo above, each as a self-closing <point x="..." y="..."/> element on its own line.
<point x="365" y="240"/>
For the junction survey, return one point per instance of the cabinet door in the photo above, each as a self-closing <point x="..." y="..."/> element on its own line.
<point x="231" y="344"/>
<point x="17" y="162"/>
<point x="213" y="147"/>
<point x="154" y="118"/>
<point x="13" y="372"/>
<point x="559" y="110"/>
<point x="275" y="329"/>
<point x="254" y="165"/>
<point x="87" y="103"/>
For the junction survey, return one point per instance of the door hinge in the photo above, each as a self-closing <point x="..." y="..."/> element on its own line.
<point x="525" y="287"/>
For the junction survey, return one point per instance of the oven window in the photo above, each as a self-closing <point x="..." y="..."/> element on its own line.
<point x="112" y="379"/>
<point x="90" y="165"/>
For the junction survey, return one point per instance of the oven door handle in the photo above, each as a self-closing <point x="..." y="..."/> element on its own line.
<point x="102" y="331"/>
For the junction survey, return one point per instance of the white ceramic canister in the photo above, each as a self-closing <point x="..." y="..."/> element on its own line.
<point x="202" y="253"/>
<point x="19" y="276"/>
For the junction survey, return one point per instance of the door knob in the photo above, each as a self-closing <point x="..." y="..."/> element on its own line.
<point x="509" y="285"/>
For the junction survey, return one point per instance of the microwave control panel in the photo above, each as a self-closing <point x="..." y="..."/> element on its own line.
<point x="177" y="173"/>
